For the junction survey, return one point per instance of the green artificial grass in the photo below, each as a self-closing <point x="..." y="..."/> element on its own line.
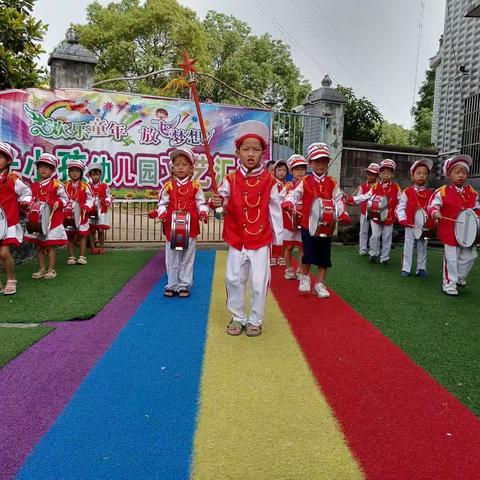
<point x="13" y="341"/>
<point x="78" y="292"/>
<point x="440" y="333"/>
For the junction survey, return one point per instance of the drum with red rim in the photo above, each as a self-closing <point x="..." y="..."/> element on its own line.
<point x="323" y="218"/>
<point x="180" y="231"/>
<point x="38" y="219"/>
<point x="297" y="217"/>
<point x="377" y="208"/>
<point x="424" y="226"/>
<point x="3" y="224"/>
<point x="72" y="216"/>
<point x="467" y="228"/>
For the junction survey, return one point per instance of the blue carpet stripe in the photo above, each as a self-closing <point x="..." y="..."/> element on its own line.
<point x="134" y="416"/>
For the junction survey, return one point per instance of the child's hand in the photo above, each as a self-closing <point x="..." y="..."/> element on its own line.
<point x="216" y="200"/>
<point x="287" y="206"/>
<point x="437" y="215"/>
<point x="56" y="205"/>
<point x="203" y="216"/>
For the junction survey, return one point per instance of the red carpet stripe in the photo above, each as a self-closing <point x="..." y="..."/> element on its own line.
<point x="398" y="421"/>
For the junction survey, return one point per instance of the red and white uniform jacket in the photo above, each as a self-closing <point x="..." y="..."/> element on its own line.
<point x="12" y="192"/>
<point x="183" y="195"/>
<point x="287" y="216"/>
<point x="450" y="200"/>
<point x="317" y="186"/>
<point x="361" y="190"/>
<point x="101" y="193"/>
<point x="51" y="191"/>
<point x="80" y="192"/>
<point x="389" y="189"/>
<point x="412" y="199"/>
<point x="253" y="215"/>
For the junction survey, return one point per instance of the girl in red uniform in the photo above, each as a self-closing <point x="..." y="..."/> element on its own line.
<point x="12" y="192"/>
<point x="49" y="189"/>
<point x="78" y="191"/>
<point x="446" y="203"/>
<point x="280" y="172"/>
<point x="102" y="199"/>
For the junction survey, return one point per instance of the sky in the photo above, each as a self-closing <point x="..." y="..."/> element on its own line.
<point x="369" y="45"/>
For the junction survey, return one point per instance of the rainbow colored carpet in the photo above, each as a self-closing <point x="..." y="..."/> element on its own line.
<point x="153" y="388"/>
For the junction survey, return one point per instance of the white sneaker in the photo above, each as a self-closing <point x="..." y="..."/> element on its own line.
<point x="299" y="273"/>
<point x="320" y="290"/>
<point x="273" y="261"/>
<point x="363" y="252"/>
<point x="290" y="274"/>
<point x="450" y="291"/>
<point x="304" y="285"/>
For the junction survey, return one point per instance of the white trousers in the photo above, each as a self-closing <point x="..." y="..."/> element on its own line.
<point x="384" y="234"/>
<point x="244" y="266"/>
<point x="457" y="263"/>
<point x="179" y="265"/>
<point x="363" y="235"/>
<point x="408" y="246"/>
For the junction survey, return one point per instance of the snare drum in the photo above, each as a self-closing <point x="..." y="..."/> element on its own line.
<point x="38" y="220"/>
<point x="72" y="216"/>
<point x="424" y="227"/>
<point x="180" y="231"/>
<point x="95" y="212"/>
<point x="323" y="218"/>
<point x="467" y="228"/>
<point x="296" y="217"/>
<point x="3" y="224"/>
<point x="377" y="208"/>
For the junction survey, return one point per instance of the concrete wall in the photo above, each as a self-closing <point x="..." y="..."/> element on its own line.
<point x="70" y="74"/>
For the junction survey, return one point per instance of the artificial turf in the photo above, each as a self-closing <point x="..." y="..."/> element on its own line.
<point x="14" y="341"/>
<point x="440" y="333"/>
<point x="78" y="292"/>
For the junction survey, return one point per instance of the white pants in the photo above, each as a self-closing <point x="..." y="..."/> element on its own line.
<point x="383" y="233"/>
<point x="457" y="263"/>
<point x="421" y="245"/>
<point x="244" y="266"/>
<point x="363" y="235"/>
<point x="179" y="265"/>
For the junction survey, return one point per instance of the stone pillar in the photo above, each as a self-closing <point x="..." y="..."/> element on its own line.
<point x="71" y="64"/>
<point x="326" y="102"/>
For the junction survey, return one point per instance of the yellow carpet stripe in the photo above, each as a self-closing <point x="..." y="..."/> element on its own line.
<point x="262" y="416"/>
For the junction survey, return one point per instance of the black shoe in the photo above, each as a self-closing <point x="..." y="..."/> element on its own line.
<point x="373" y="259"/>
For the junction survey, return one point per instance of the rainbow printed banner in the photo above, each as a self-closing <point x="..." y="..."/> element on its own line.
<point x="129" y="135"/>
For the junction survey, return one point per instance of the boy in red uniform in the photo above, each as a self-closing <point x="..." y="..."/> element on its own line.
<point x="253" y="221"/>
<point x="50" y="190"/>
<point x="280" y="172"/>
<point x="181" y="194"/>
<point x="413" y="198"/>
<point x="78" y="191"/>
<point x="382" y="230"/>
<point x="292" y="236"/>
<point x="12" y="192"/>
<point x="317" y="249"/>
<point x="102" y="199"/>
<point x="446" y="203"/>
<point x="372" y="175"/>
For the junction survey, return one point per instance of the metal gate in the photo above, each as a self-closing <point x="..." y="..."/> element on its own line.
<point x="471" y="133"/>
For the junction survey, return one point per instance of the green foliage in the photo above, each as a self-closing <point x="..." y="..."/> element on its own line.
<point x="20" y="37"/>
<point x="394" y="134"/>
<point x="423" y="112"/>
<point x="363" y="120"/>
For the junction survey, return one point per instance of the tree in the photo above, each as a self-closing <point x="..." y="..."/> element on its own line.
<point x="394" y="134"/>
<point x="423" y="112"/>
<point x="20" y="37"/>
<point x="363" y="121"/>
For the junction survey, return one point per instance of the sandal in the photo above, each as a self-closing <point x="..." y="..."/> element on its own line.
<point x="169" y="293"/>
<point x="183" y="293"/>
<point x="101" y="251"/>
<point x="39" y="274"/>
<point x="71" y="261"/>
<point x="234" y="328"/>
<point x="50" y="275"/>
<point x="10" y="287"/>
<point x="81" y="260"/>
<point x="93" y="250"/>
<point x="253" y="330"/>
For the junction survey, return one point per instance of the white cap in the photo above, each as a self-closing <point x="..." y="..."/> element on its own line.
<point x="6" y="149"/>
<point x="318" y="150"/>
<point x="95" y="166"/>
<point x="183" y="151"/>
<point x="463" y="160"/>
<point x="373" y="168"/>
<point x="425" y="162"/>
<point x="296" y="161"/>
<point x="388" y="163"/>
<point x="76" y="164"/>
<point x="47" y="158"/>
<point x="252" y="129"/>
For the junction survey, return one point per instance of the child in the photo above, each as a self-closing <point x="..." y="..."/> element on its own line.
<point x="292" y="236"/>
<point x="382" y="230"/>
<point x="77" y="190"/>
<point x="102" y="199"/>
<point x="12" y="192"/>
<point x="372" y="175"/>
<point x="181" y="193"/>
<point x="413" y="198"/>
<point x="253" y="221"/>
<point x="270" y="166"/>
<point x="280" y="172"/>
<point x="49" y="189"/>
<point x="317" y="250"/>
<point x="445" y="204"/>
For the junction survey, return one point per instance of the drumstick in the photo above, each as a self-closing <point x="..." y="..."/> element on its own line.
<point x="451" y="220"/>
<point x="55" y="206"/>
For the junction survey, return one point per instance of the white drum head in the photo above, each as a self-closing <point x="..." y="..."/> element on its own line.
<point x="383" y="204"/>
<point x="315" y="215"/>
<point x="3" y="224"/>
<point x="77" y="214"/>
<point x="466" y="228"/>
<point x="44" y="219"/>
<point x="420" y="220"/>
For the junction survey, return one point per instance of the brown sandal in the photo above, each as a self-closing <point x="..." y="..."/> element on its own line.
<point x="169" y="293"/>
<point x="234" y="328"/>
<point x="183" y="293"/>
<point x="253" y="330"/>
